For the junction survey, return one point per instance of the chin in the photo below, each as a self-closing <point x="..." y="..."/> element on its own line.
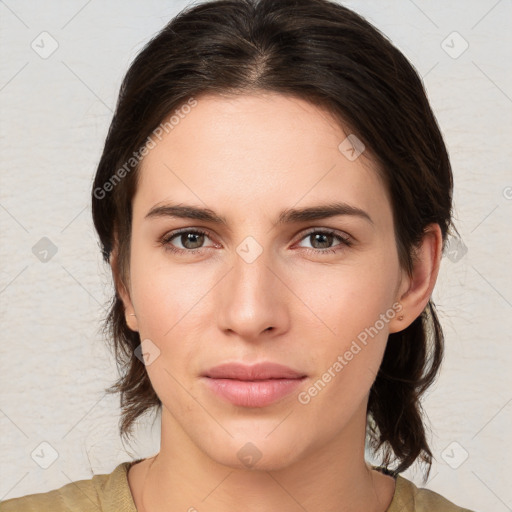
<point x="258" y="454"/>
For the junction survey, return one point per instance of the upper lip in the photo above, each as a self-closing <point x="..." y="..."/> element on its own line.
<point x="259" y="371"/>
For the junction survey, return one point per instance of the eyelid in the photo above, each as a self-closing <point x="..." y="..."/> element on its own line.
<point x="319" y="229"/>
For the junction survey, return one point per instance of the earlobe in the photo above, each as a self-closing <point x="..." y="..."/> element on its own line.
<point x="415" y="290"/>
<point x="131" y="321"/>
<point x="123" y="293"/>
<point x="129" y="314"/>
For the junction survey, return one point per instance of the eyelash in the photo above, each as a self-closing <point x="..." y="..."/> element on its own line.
<point x="165" y="241"/>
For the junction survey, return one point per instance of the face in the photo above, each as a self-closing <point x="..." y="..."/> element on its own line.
<point x="316" y="293"/>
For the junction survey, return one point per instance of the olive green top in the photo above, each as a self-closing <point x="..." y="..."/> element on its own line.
<point x="111" y="493"/>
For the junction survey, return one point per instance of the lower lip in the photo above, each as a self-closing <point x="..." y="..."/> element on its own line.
<point x="259" y="393"/>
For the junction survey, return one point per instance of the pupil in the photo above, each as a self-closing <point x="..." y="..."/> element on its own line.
<point x="189" y="237"/>
<point x="326" y="236"/>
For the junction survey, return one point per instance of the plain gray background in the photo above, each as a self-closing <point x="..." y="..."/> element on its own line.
<point x="61" y="65"/>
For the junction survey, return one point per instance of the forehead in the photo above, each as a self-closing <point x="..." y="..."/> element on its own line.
<point x="253" y="151"/>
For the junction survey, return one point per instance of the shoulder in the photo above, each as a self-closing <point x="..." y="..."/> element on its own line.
<point x="105" y="493"/>
<point x="409" y="498"/>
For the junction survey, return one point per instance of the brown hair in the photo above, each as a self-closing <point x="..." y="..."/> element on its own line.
<point x="322" y="52"/>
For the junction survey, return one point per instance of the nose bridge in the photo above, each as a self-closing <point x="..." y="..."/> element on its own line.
<point x="250" y="299"/>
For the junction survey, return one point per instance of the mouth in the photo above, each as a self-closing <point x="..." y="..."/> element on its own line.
<point x="256" y="385"/>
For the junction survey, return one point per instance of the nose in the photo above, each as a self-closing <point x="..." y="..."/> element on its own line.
<point x="252" y="301"/>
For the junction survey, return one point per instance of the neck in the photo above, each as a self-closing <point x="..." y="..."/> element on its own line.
<point x="331" y="478"/>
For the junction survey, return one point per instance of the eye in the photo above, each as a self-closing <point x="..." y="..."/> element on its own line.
<point x="191" y="240"/>
<point x="323" y="239"/>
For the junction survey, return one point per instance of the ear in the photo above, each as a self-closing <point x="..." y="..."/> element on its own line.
<point x="123" y="291"/>
<point x="415" y="290"/>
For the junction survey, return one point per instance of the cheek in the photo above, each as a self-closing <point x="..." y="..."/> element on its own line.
<point x="166" y="294"/>
<point x="353" y="308"/>
<point x="171" y="307"/>
<point x="346" y="363"/>
<point x="346" y="300"/>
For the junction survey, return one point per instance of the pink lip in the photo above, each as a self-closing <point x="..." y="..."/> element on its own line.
<point x="258" y="385"/>
<point x="260" y="371"/>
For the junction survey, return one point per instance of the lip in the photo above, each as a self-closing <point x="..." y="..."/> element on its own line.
<point x="256" y="385"/>
<point x="259" y="371"/>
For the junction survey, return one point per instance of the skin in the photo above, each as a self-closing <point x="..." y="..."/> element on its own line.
<point x="248" y="158"/>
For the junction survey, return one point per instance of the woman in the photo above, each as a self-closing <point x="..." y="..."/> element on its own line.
<point x="273" y="198"/>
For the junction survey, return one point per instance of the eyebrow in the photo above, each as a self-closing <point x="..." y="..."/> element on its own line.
<point x="288" y="216"/>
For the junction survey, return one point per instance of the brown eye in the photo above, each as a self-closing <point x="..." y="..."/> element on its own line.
<point x="191" y="240"/>
<point x="185" y="241"/>
<point x="322" y="241"/>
